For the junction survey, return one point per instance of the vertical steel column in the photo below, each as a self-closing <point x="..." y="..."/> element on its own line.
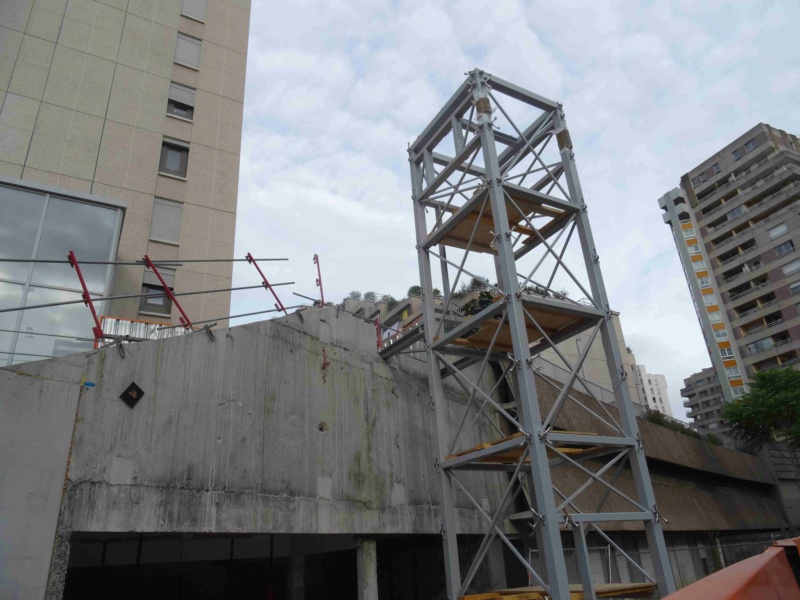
<point x="638" y="464"/>
<point x="319" y="281"/>
<point x="549" y="535"/>
<point x="582" y="557"/>
<point x="447" y="504"/>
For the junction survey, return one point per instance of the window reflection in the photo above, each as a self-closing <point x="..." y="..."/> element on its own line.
<point x="10" y="297"/>
<point x="86" y="229"/>
<point x="72" y="320"/>
<point x="21" y="214"/>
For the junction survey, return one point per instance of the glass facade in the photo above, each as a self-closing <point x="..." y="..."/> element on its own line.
<point x="46" y="226"/>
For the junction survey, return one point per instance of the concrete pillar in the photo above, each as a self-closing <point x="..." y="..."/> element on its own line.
<point x="497" y="565"/>
<point x="367" y="553"/>
<point x="297" y="578"/>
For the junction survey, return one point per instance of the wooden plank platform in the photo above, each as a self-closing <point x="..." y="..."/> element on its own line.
<point x="551" y="321"/>
<point x="601" y="590"/>
<point x="459" y="236"/>
<point x="513" y="455"/>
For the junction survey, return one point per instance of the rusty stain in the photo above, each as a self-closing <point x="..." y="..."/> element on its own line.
<point x="325" y="364"/>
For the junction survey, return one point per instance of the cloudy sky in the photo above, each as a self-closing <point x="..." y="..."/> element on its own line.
<point x="336" y="90"/>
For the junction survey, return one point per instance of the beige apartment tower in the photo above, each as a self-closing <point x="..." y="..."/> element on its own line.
<point x="736" y="223"/>
<point x="120" y="136"/>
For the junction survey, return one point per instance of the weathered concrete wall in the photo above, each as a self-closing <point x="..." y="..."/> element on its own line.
<point x="287" y="426"/>
<point x="38" y="403"/>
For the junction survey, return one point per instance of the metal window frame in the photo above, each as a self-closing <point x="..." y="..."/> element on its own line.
<point x="175" y="145"/>
<point x="478" y="97"/>
<point x="49" y="191"/>
<point x="166" y="202"/>
<point x="192" y="40"/>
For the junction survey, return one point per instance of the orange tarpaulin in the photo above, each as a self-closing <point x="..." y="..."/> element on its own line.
<point x="768" y="576"/>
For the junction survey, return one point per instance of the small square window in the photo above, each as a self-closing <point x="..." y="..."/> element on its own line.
<point x="195" y="9"/>
<point x="737" y="154"/>
<point x="174" y="158"/>
<point x="187" y="51"/>
<point x="703" y="177"/>
<point x="751" y="145"/>
<point x="156" y="301"/>
<point x="689" y="233"/>
<point x="695" y="181"/>
<point x="165" y="226"/>
<point x="716" y="168"/>
<point x="726" y="352"/>
<point x="721" y="334"/>
<point x="784" y="248"/>
<point x="705" y="282"/>
<point x="181" y="101"/>
<point x="791" y="267"/>
<point x="694" y="249"/>
<point x="732" y="372"/>
<point x="715" y="316"/>
<point x="794" y="288"/>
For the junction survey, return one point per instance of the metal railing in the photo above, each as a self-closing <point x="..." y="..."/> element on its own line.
<point x="763" y="327"/>
<point x="748" y="291"/>
<point x="785" y="363"/>
<point x="770" y="347"/>
<point x="736" y="179"/>
<point x="757" y="308"/>
<point x="749" y="209"/>
<point x="752" y="269"/>
<point x="742" y="253"/>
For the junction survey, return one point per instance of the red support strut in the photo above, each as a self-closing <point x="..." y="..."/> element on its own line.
<point x="319" y="280"/>
<point x="184" y="319"/>
<point x="253" y="262"/>
<point x="97" y="330"/>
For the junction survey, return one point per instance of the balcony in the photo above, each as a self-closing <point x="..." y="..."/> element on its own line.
<point x="750" y="209"/>
<point x="728" y="184"/>
<point x="754" y="351"/>
<point x="748" y="291"/>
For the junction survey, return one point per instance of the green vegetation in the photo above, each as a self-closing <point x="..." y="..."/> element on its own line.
<point x="653" y="416"/>
<point x="415" y="290"/>
<point x="355" y="295"/>
<point x="369" y="296"/>
<point x="770" y="409"/>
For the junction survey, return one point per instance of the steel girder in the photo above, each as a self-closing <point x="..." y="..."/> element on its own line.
<point x="483" y="206"/>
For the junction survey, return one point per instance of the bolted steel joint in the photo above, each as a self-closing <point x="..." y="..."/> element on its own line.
<point x="639" y="441"/>
<point x="444" y="531"/>
<point x="657" y="516"/>
<point x="436" y="466"/>
<point x="595" y="257"/>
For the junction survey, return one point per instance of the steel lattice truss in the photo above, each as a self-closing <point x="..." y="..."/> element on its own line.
<point x="495" y="184"/>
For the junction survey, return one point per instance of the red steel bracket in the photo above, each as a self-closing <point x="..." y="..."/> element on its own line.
<point x="97" y="330"/>
<point x="253" y="262"/>
<point x="184" y="319"/>
<point x="319" y="280"/>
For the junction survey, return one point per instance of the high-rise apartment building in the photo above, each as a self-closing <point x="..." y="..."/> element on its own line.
<point x="120" y="135"/>
<point x="736" y="227"/>
<point x="652" y="390"/>
<point x="703" y="400"/>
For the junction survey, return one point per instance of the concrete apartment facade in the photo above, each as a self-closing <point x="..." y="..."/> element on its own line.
<point x="134" y="105"/>
<point x="703" y="400"/>
<point x="736" y="224"/>
<point x="652" y="390"/>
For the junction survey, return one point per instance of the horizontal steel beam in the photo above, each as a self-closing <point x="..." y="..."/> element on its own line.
<point x="521" y="94"/>
<point x="532" y="130"/>
<point x="556" y="225"/>
<point x="600" y="517"/>
<point x="440" y="125"/>
<point x="566" y="307"/>
<point x="407" y="340"/>
<point x="589" y="440"/>
<point x="561" y="335"/>
<point x="444" y="160"/>
<point x="445" y="228"/>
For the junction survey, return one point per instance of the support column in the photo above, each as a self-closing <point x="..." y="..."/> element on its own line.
<point x="367" y="566"/>
<point x="297" y="579"/>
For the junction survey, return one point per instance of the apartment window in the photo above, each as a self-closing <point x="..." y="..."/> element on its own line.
<point x="737" y="391"/>
<point x="181" y="101"/>
<point x="694" y="249"/>
<point x="791" y="267"/>
<point x="703" y="177"/>
<point x="794" y="288"/>
<point x="689" y="233"/>
<point x="735" y="212"/>
<point x="174" y="158"/>
<point x="187" y="51"/>
<point x="699" y="265"/>
<point x="156" y="302"/>
<point x="649" y="382"/>
<point x="737" y="154"/>
<point x="704" y="282"/>
<point x="165" y="225"/>
<point x="778" y="231"/>
<point x="784" y="248"/>
<point x="695" y="181"/>
<point x="709" y="299"/>
<point x="195" y="9"/>
<point x="713" y="425"/>
<point x="751" y="145"/>
<point x="715" y="316"/>
<point x="716" y="168"/>
<point x="726" y="352"/>
<point x="760" y="345"/>
<point x="721" y="334"/>
<point x="732" y="372"/>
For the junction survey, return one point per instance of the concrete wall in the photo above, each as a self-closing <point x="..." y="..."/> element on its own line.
<point x="293" y="425"/>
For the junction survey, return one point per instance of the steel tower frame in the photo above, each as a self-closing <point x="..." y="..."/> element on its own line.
<point x="481" y="205"/>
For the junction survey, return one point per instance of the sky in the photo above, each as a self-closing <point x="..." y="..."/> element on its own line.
<point x="337" y="90"/>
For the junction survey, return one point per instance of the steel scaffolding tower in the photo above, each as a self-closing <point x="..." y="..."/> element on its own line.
<point x="468" y="173"/>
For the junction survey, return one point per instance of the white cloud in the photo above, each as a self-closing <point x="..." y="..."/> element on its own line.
<point x="336" y="90"/>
